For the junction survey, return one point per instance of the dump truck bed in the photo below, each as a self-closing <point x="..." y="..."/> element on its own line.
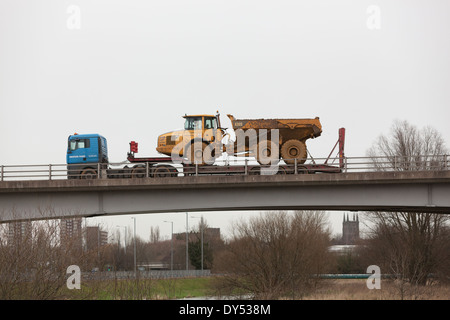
<point x="303" y="128"/>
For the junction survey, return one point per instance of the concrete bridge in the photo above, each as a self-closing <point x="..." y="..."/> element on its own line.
<point x="417" y="191"/>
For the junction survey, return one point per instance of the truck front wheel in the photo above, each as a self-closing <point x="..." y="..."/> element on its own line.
<point x="89" y="174"/>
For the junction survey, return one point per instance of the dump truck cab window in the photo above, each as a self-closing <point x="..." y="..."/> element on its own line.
<point x="194" y="123"/>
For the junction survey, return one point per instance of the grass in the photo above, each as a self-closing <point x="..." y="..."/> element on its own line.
<point x="341" y="289"/>
<point x="356" y="289"/>
<point x="143" y="289"/>
<point x="185" y="288"/>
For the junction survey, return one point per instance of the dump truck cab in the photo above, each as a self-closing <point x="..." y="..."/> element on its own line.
<point x="206" y="127"/>
<point x="199" y="130"/>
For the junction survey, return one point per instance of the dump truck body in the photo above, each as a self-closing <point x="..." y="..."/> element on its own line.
<point x="290" y="128"/>
<point x="275" y="138"/>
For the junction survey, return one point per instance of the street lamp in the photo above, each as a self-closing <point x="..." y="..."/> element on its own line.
<point x="201" y="232"/>
<point x="171" y="247"/>
<point x="135" y="270"/>
<point x="187" y="243"/>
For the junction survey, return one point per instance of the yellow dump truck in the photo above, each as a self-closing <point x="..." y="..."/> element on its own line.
<point x="267" y="140"/>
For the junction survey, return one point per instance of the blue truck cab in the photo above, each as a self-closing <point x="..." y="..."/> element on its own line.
<point x="84" y="153"/>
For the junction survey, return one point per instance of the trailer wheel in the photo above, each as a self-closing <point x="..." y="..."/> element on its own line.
<point x="294" y="149"/>
<point x="163" y="171"/>
<point x="138" y="172"/>
<point x="89" y="174"/>
<point x="174" y="171"/>
<point x="302" y="170"/>
<point x="267" y="152"/>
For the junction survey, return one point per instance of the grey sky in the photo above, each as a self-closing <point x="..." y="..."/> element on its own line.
<point x="133" y="68"/>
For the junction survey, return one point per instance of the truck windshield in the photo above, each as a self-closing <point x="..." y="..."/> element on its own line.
<point x="78" y="144"/>
<point x="194" y="123"/>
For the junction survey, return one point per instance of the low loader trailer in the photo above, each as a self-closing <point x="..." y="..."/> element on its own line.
<point x="87" y="158"/>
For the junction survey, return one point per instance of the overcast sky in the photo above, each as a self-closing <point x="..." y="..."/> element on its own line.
<point x="130" y="69"/>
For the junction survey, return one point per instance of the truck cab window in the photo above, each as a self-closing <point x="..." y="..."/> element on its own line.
<point x="79" y="144"/>
<point x="72" y="145"/>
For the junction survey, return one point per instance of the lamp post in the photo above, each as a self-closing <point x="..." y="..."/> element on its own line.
<point x="171" y="247"/>
<point x="98" y="244"/>
<point x="187" y="243"/>
<point x="135" y="268"/>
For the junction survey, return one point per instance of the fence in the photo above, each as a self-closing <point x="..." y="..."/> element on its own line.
<point x="152" y="274"/>
<point x="234" y="166"/>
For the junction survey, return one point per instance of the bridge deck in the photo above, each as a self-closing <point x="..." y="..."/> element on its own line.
<point x="424" y="191"/>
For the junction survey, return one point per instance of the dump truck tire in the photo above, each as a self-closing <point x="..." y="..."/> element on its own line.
<point x="209" y="154"/>
<point x="194" y="153"/>
<point x="267" y="153"/>
<point x="294" y="149"/>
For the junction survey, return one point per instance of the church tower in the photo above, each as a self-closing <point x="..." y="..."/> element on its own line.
<point x="350" y="229"/>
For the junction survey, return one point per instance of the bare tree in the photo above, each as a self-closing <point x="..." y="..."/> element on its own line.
<point x="33" y="264"/>
<point x="408" y="244"/>
<point x="155" y="234"/>
<point x="276" y="254"/>
<point x="406" y="148"/>
<point x="207" y="237"/>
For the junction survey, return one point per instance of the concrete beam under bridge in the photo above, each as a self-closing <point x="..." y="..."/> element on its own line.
<point x="370" y="191"/>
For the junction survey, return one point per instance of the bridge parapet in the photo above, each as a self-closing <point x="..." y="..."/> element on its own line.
<point x="237" y="166"/>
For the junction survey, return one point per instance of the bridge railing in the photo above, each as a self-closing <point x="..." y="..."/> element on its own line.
<point x="227" y="166"/>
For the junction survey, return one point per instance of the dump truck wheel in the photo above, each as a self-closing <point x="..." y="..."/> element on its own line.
<point x="267" y="152"/>
<point x="194" y="153"/>
<point x="294" y="149"/>
<point x="209" y="154"/>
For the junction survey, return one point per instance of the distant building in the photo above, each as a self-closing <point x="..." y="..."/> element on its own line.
<point x="210" y="233"/>
<point x="19" y="233"/>
<point x="350" y="230"/>
<point x="70" y="233"/>
<point x="95" y="237"/>
<point x="350" y="236"/>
